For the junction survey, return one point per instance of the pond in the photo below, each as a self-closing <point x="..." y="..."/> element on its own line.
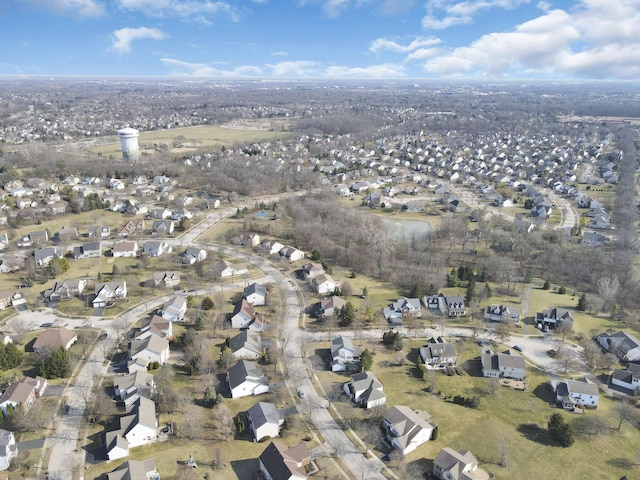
<point x="261" y="214"/>
<point x="406" y="228"/>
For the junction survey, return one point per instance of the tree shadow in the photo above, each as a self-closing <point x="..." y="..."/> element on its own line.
<point x="622" y="463"/>
<point x="245" y="468"/>
<point x="414" y="356"/>
<point x="473" y="367"/>
<point x="543" y="392"/>
<point x="536" y="434"/>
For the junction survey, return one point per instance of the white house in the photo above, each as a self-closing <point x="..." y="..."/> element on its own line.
<point x="437" y="353"/>
<point x="406" y="429"/>
<point x="621" y="344"/>
<point x="138" y="427"/>
<point x="507" y="364"/>
<point x="156" y="248"/>
<point x="291" y="253"/>
<point x="343" y="353"/>
<point x="8" y="449"/>
<point x="403" y="307"/>
<point x="175" y="309"/>
<point x="502" y="313"/>
<point x="277" y="462"/>
<point x="264" y="420"/>
<point x="581" y="393"/>
<point x="244" y="316"/>
<point x="129" y="388"/>
<point x="365" y="390"/>
<point x="108" y="292"/>
<point x="323" y="284"/>
<point x="247" y="344"/>
<point x="126" y="249"/>
<point x="149" y="349"/>
<point x="193" y="255"/>
<point x="452" y="464"/>
<point x="256" y="294"/>
<point x="629" y="378"/>
<point x="246" y="378"/>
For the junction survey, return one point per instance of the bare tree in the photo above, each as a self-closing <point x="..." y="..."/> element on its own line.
<point x="20" y="327"/>
<point x="193" y="427"/>
<point x="224" y="426"/>
<point x="608" y="290"/>
<point x="502" y="332"/>
<point x="623" y="412"/>
<point x="503" y="451"/>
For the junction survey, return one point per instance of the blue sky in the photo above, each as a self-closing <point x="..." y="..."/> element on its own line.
<point x="410" y="39"/>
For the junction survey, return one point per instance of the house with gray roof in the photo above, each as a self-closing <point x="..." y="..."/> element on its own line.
<point x="555" y="318"/>
<point x="452" y="464"/>
<point x="88" y="250"/>
<point x="136" y="428"/>
<point x="499" y="365"/>
<point x="246" y="378"/>
<point x="129" y="388"/>
<point x="264" y="420"/>
<point x="256" y="294"/>
<point x="448" y="305"/>
<point x="625" y="346"/>
<point x="406" y="429"/>
<point x="44" y="255"/>
<point x="502" y="313"/>
<point x="365" y="390"/>
<point x="582" y="393"/>
<point x="8" y="449"/>
<point x="246" y="344"/>
<point x="403" y="307"/>
<point x="437" y="353"/>
<point x="343" y="354"/>
<point x="629" y="378"/>
<point x="65" y="289"/>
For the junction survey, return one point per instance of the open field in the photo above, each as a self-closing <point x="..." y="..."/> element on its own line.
<point x="530" y="453"/>
<point x="200" y="136"/>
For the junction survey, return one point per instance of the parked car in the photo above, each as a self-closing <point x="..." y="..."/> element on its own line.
<point x="517" y="347"/>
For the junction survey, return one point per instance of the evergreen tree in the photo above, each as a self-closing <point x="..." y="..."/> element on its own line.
<point x="207" y="303"/>
<point x="547" y="285"/>
<point x="560" y="430"/>
<point x="10" y="356"/>
<point x="416" y="291"/>
<point x="452" y="278"/>
<point x="471" y="291"/>
<point x="56" y="365"/>
<point x="582" y="303"/>
<point x="347" y="315"/>
<point x="366" y="360"/>
<point x="487" y="290"/>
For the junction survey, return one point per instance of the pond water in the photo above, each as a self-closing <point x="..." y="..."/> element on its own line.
<point x="406" y="228"/>
<point x="261" y="214"/>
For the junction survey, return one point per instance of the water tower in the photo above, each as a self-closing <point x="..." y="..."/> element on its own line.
<point x="129" y="142"/>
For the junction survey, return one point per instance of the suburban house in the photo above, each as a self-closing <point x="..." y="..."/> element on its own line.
<point x="65" y="290"/>
<point x="156" y="325"/>
<point x="125" y="249"/>
<point x="23" y="393"/>
<point x="108" y="292"/>
<point x="450" y="306"/>
<point x="193" y="255"/>
<point x="555" y="318"/>
<point x="166" y="279"/>
<point x="593" y="239"/>
<point x="88" y="250"/>
<point x="256" y="294"/>
<point x="572" y="394"/>
<point x="437" y="353"/>
<point x="148" y="349"/>
<point x="67" y="234"/>
<point x="246" y="344"/>
<point x="365" y="390"/>
<point x="311" y="270"/>
<point x="264" y="420"/>
<point x="246" y="239"/>
<point x="44" y="255"/>
<point x="34" y="239"/>
<point x="403" y="307"/>
<point x="99" y="231"/>
<point x="629" y="378"/>
<point x="453" y="464"/>
<point x="271" y="246"/>
<point x="246" y="378"/>
<point x="343" y="353"/>
<point x="156" y="248"/>
<point x="12" y="298"/>
<point x="244" y="316"/>
<point x="499" y="365"/>
<point x="329" y="306"/>
<point x="224" y="269"/>
<point x="277" y="462"/>
<point x="626" y="347"/>
<point x="162" y="227"/>
<point x="291" y="253"/>
<point x="8" y="449"/>
<point x="406" y="429"/>
<point x="129" y="388"/>
<point x="174" y="309"/>
<point x="136" y="428"/>
<point x="323" y="284"/>
<point x="502" y="313"/>
<point x="53" y="339"/>
<point x="132" y="227"/>
<point x="135" y="470"/>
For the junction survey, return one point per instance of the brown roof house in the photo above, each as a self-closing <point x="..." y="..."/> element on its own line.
<point x="278" y="462"/>
<point x="166" y="279"/>
<point x="135" y="470"/>
<point x="22" y="393"/>
<point x="54" y="338"/>
<point x="132" y="227"/>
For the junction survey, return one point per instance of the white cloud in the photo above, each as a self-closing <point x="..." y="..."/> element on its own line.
<point x="79" y="8"/>
<point x="300" y="68"/>
<point x="333" y="8"/>
<point x="279" y="54"/>
<point x="382" y="44"/>
<point x="442" y="14"/>
<point x="385" y="70"/>
<point x="423" y="54"/>
<point x="204" y="70"/>
<point x="192" y="9"/>
<point x="125" y="36"/>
